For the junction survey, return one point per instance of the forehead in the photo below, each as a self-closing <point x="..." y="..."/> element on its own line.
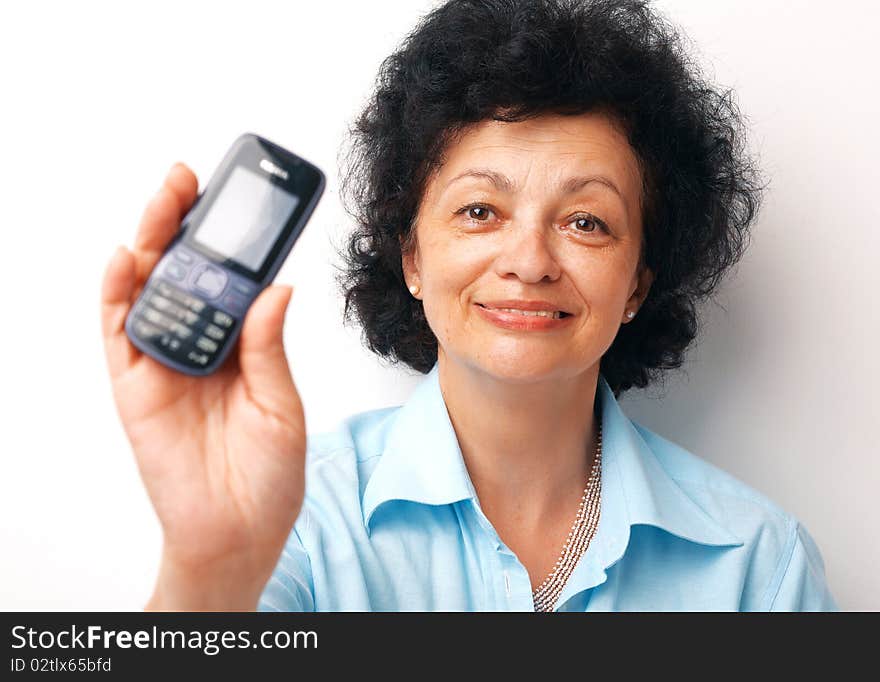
<point x="555" y="146"/>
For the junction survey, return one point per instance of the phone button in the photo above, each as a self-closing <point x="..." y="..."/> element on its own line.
<point x="175" y="271"/>
<point x="157" y="318"/>
<point x="214" y="332"/>
<point x="198" y="358"/>
<point x="181" y="330"/>
<point x="146" y="330"/>
<point x="169" y="342"/>
<point x="206" y="344"/>
<point x="222" y="319"/>
<point x="174" y="294"/>
<point x="211" y="281"/>
<point x="183" y="256"/>
<point x="243" y="288"/>
<point x="234" y="302"/>
<point x="164" y="305"/>
<point x="172" y="309"/>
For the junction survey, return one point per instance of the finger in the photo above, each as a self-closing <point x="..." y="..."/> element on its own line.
<point x="162" y="215"/>
<point x="117" y="289"/>
<point x="262" y="359"/>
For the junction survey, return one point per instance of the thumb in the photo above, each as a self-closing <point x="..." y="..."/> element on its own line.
<point x="262" y="360"/>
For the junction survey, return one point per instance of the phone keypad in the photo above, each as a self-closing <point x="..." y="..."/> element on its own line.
<point x="180" y="325"/>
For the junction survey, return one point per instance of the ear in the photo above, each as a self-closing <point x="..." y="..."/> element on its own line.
<point x="644" y="280"/>
<point x="408" y="261"/>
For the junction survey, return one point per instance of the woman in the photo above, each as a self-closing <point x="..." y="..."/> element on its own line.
<point x="545" y="190"/>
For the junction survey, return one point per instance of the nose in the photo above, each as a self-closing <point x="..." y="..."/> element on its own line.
<point x="527" y="253"/>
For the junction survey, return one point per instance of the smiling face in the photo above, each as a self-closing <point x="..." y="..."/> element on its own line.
<point x="542" y="214"/>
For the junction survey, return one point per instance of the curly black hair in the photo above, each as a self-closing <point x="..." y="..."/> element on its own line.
<point x="508" y="60"/>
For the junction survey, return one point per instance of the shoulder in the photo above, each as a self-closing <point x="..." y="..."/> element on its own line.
<point x="706" y="482"/>
<point x="355" y="439"/>
<point x="746" y="513"/>
<point x="777" y="549"/>
<point x="340" y="460"/>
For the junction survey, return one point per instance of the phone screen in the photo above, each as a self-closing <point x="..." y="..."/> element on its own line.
<point x="246" y="218"/>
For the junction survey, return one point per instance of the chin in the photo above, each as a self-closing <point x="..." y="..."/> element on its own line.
<point x="523" y="368"/>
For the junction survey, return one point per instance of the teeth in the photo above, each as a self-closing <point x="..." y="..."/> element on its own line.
<point x="532" y="313"/>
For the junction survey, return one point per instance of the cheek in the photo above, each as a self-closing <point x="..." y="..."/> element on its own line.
<point x="450" y="282"/>
<point x="603" y="279"/>
<point x="450" y="268"/>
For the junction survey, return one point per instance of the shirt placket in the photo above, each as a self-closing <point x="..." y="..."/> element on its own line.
<point x="511" y="588"/>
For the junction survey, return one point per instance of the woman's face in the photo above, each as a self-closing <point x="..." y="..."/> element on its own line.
<point x="543" y="213"/>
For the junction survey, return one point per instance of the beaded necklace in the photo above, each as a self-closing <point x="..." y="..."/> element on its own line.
<point x="582" y="531"/>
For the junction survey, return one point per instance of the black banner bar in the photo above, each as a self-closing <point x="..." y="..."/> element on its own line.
<point x="129" y="644"/>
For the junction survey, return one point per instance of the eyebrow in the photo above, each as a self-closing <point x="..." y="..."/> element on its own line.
<point x="505" y="184"/>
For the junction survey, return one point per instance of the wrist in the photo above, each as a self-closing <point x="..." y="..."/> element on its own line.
<point x="220" y="586"/>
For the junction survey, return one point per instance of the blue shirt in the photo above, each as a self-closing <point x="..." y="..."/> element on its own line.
<point x="391" y="522"/>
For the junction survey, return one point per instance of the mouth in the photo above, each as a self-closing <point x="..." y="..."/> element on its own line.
<point x="552" y="314"/>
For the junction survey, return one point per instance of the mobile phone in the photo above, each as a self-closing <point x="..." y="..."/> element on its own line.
<point x="230" y="246"/>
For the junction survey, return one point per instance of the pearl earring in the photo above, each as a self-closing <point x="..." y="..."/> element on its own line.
<point x="630" y="314"/>
<point x="414" y="289"/>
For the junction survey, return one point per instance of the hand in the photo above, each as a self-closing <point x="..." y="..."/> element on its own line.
<point x="222" y="456"/>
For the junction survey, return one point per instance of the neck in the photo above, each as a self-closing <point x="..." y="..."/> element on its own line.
<point x="528" y="446"/>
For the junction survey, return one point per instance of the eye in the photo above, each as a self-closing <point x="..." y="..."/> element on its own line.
<point x="588" y="223"/>
<point x="477" y="212"/>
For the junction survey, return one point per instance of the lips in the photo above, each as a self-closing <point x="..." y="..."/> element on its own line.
<point x="554" y="314"/>
<point x="531" y="316"/>
<point x="527" y="308"/>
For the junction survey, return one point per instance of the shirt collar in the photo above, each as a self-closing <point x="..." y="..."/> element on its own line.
<point x="636" y="489"/>
<point x="422" y="462"/>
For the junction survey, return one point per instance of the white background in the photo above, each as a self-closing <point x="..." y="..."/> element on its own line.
<point x="98" y="101"/>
